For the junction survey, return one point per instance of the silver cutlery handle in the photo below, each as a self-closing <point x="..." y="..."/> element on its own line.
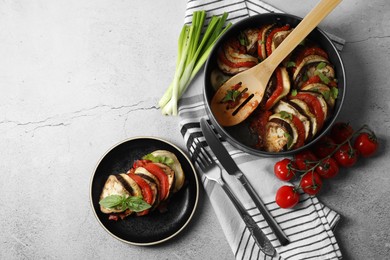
<point x="260" y="205"/>
<point x="252" y="226"/>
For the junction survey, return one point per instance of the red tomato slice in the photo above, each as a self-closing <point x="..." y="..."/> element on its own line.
<point x="314" y="105"/>
<point x="147" y="192"/>
<point x="301" y="131"/>
<point x="162" y="178"/>
<point x="271" y="35"/>
<point x="314" y="79"/>
<point x="311" y="51"/>
<point x="140" y="163"/>
<point x="223" y="59"/>
<point x="277" y="92"/>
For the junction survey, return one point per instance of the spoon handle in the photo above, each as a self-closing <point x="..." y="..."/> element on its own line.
<point x="311" y="20"/>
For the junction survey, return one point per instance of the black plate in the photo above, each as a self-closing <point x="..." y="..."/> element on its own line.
<point x="239" y="135"/>
<point x="155" y="227"/>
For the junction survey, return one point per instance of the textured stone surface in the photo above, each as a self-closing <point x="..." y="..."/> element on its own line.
<point x="76" y="77"/>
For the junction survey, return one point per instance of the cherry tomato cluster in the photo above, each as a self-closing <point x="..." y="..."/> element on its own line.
<point x="340" y="148"/>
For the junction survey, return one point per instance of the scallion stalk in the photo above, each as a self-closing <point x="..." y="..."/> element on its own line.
<point x="193" y="51"/>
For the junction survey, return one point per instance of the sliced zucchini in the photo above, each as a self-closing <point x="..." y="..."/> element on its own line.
<point x="176" y="167"/>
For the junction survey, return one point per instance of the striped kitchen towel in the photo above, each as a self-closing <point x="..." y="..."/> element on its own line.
<point x="309" y="226"/>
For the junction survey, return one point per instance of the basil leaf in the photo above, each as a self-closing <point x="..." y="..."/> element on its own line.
<point x="111" y="201"/>
<point x="136" y="204"/>
<point x="159" y="159"/>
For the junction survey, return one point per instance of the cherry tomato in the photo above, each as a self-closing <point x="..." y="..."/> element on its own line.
<point x="328" y="168"/>
<point x="366" y="144"/>
<point x="340" y="132"/>
<point x="311" y="183"/>
<point x="287" y="197"/>
<point x="346" y="156"/>
<point x="324" y="147"/>
<point x="305" y="160"/>
<point x="284" y="169"/>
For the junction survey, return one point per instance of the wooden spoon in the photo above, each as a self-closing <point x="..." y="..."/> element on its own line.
<point x="256" y="78"/>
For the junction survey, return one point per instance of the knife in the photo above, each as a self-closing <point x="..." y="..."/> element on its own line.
<point x="231" y="167"/>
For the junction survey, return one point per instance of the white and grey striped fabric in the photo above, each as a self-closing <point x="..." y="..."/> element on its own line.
<point x="309" y="226"/>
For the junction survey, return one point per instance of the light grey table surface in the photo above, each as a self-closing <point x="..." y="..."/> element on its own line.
<point x="76" y="77"/>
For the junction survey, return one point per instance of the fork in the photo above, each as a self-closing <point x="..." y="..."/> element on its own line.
<point x="213" y="172"/>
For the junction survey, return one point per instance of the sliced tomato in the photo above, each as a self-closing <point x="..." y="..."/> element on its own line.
<point x="301" y="131"/>
<point x="140" y="163"/>
<point x="222" y="58"/>
<point x="271" y="35"/>
<point x="310" y="51"/>
<point x="314" y="106"/>
<point x="147" y="192"/>
<point x="162" y="178"/>
<point x="311" y="80"/>
<point x="277" y="92"/>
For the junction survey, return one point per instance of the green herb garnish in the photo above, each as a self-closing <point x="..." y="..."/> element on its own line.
<point x="334" y="92"/>
<point x="159" y="159"/>
<point x="243" y="39"/>
<point x="134" y="203"/>
<point x="321" y="65"/>
<point x="323" y="78"/>
<point x="290" y="64"/>
<point x="294" y="92"/>
<point x="289" y="139"/>
<point x="285" y="115"/>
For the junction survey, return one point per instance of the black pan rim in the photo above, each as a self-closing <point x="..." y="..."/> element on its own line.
<point x="225" y="134"/>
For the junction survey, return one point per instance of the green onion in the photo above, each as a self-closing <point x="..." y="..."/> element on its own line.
<point x="193" y="51"/>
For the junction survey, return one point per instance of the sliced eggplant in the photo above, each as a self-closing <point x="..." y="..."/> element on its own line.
<point x="251" y="36"/>
<point x="265" y="30"/>
<point x="306" y="111"/>
<point x="281" y="133"/>
<point x="231" y="61"/>
<point x="278" y="38"/>
<point x="306" y="61"/>
<point x="286" y="88"/>
<point x="324" y="90"/>
<point x="290" y="108"/>
<point x="176" y="167"/>
<point x="122" y="185"/>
